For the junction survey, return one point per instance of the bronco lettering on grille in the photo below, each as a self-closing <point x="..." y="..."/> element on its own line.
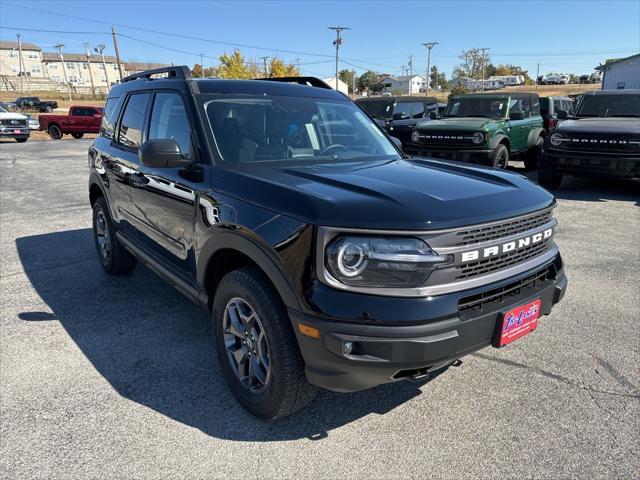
<point x="506" y="247"/>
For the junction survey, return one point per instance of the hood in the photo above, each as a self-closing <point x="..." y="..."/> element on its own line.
<point x="461" y="123"/>
<point x="11" y="116"/>
<point x="419" y="194"/>
<point x="622" y="125"/>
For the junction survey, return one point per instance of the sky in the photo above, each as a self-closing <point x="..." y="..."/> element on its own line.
<point x="562" y="36"/>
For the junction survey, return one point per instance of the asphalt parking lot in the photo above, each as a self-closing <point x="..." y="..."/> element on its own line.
<point x="105" y="377"/>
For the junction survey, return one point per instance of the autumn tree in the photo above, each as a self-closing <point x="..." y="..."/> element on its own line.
<point x="472" y="63"/>
<point x="234" y="66"/>
<point x="277" y="68"/>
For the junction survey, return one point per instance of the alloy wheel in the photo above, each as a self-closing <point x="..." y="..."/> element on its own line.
<point x="102" y="236"/>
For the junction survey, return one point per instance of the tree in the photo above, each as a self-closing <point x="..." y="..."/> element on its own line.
<point x="197" y="70"/>
<point x="347" y="76"/>
<point x="234" y="66"/>
<point x="437" y="79"/>
<point x="458" y="89"/>
<point x="507" y="69"/>
<point x="472" y="62"/>
<point x="278" y="68"/>
<point x="367" y="80"/>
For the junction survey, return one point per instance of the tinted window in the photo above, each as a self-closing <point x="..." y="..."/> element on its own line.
<point x="378" y="109"/>
<point x="132" y="124"/>
<point x="544" y="106"/>
<point x="610" y="106"/>
<point x="526" y="107"/>
<point x="77" y="112"/>
<point x="418" y="110"/>
<point x="169" y="120"/>
<point x="568" y="106"/>
<point x="557" y="105"/>
<point x="403" y="109"/>
<point x="535" y="106"/>
<point x="109" y="118"/>
<point x="515" y="105"/>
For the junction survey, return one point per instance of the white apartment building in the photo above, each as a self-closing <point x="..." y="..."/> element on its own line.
<point x="10" y="59"/>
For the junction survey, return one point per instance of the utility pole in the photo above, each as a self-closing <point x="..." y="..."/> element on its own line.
<point x="410" y="74"/>
<point x="86" y="50"/>
<point x="266" y="70"/>
<point x="298" y="65"/>
<point x="484" y="61"/>
<point x="338" y="42"/>
<point x="537" y="76"/>
<point x="202" y="64"/>
<point x="99" y="49"/>
<point x="429" y="46"/>
<point x="59" y="47"/>
<point x="21" y="62"/>
<point x="115" y="47"/>
<point x="353" y="82"/>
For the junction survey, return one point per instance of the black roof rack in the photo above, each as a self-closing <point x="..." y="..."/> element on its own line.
<point x="309" y="81"/>
<point x="181" y="72"/>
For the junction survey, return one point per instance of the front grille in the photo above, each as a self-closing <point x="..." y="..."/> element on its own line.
<point x="601" y="143"/>
<point x="501" y="230"/>
<point x="13" y="123"/>
<point x="505" y="260"/>
<point x="445" y="139"/>
<point x="494" y="299"/>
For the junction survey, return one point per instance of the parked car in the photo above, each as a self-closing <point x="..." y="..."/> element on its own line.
<point x="555" y="79"/>
<point x="32" y="122"/>
<point x="34" y="103"/>
<point x="79" y="120"/>
<point x="602" y="138"/>
<point x="484" y="128"/>
<point x="399" y="115"/>
<point x="325" y="256"/>
<point x="549" y="108"/>
<point x="13" y="125"/>
<point x="9" y="106"/>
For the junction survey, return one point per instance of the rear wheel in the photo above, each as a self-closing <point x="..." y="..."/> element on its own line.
<point x="548" y="175"/>
<point x="77" y="135"/>
<point x="499" y="158"/>
<point x="48" y="109"/>
<point x="256" y="346"/>
<point x="532" y="155"/>
<point x="114" y="258"/>
<point x="21" y="140"/>
<point x="55" y="132"/>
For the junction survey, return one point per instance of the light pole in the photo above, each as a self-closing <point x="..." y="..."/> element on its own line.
<point x="429" y="46"/>
<point x="410" y="74"/>
<point x="86" y="51"/>
<point x="59" y="47"/>
<point x="338" y="42"/>
<point x="21" y="62"/>
<point x="484" y="61"/>
<point x="266" y="70"/>
<point x="202" y="64"/>
<point x="99" y="49"/>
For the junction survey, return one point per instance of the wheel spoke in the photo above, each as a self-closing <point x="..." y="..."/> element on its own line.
<point x="238" y="355"/>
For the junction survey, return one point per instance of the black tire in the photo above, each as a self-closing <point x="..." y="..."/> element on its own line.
<point x="48" y="109"/>
<point x="114" y="258"/>
<point x="77" y="135"/>
<point x="286" y="389"/>
<point x="533" y="154"/>
<point x="548" y="176"/>
<point x="55" y="132"/>
<point x="21" y="140"/>
<point x="499" y="158"/>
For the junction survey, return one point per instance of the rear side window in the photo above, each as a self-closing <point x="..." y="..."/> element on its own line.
<point x="568" y="106"/>
<point x="557" y="105"/>
<point x="544" y="106"/>
<point x="109" y="117"/>
<point x="526" y="107"/>
<point x="535" y="106"/>
<point x="169" y="120"/>
<point x="132" y="124"/>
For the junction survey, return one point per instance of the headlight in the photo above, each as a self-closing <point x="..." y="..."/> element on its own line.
<point x="556" y="139"/>
<point x="381" y="262"/>
<point x="415" y="137"/>
<point x="477" y="138"/>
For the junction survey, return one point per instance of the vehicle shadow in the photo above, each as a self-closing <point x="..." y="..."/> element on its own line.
<point x="154" y="346"/>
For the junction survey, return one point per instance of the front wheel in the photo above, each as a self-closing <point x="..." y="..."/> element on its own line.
<point x="532" y="155"/>
<point x="22" y="140"/>
<point x="55" y="132"/>
<point x="77" y="135"/>
<point x="499" y="157"/>
<point x="256" y="346"/>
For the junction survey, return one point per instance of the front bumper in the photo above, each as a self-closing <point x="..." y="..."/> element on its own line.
<point x="461" y="154"/>
<point x="15" y="132"/>
<point x="576" y="163"/>
<point x="384" y="353"/>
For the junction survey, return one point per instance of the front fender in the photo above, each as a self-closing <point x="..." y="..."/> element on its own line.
<point x="533" y="136"/>
<point x="498" y="138"/>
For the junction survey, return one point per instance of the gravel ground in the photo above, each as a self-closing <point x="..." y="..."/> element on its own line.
<point x="106" y="377"/>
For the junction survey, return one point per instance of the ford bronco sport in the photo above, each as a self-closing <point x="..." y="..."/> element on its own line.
<point x="326" y="257"/>
<point x="485" y="128"/>
<point x="602" y="139"/>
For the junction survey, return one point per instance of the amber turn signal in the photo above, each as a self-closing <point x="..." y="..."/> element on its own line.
<point x="308" y="331"/>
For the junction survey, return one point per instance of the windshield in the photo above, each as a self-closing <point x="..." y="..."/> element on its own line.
<point x="2" y="110"/>
<point x="258" y="129"/>
<point x="477" y="107"/>
<point x="381" y="109"/>
<point x="609" y="106"/>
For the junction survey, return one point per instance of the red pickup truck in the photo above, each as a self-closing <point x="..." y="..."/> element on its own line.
<point x="81" y="119"/>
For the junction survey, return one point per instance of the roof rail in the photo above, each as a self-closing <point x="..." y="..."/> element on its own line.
<point x="309" y="81"/>
<point x="179" y="72"/>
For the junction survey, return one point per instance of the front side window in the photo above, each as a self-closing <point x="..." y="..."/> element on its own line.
<point x="132" y="124"/>
<point x="403" y="110"/>
<point x="169" y="120"/>
<point x="262" y="128"/>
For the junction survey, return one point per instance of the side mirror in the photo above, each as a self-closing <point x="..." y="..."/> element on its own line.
<point x="518" y="115"/>
<point x="433" y="115"/>
<point x="161" y="153"/>
<point x="397" y="142"/>
<point x="399" y="116"/>
<point x="562" y="114"/>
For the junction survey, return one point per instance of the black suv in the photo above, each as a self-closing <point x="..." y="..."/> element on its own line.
<point x="325" y="257"/>
<point x="603" y="138"/>
<point x="399" y="115"/>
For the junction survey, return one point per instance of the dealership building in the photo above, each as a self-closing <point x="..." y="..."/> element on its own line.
<point x="621" y="73"/>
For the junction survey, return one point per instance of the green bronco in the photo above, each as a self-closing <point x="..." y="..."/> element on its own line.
<point x="485" y="128"/>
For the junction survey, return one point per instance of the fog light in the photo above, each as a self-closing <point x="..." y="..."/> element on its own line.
<point x="347" y="348"/>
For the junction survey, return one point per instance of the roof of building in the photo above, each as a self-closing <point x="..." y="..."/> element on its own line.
<point x="616" y="60"/>
<point x="76" y="57"/>
<point x="627" y="91"/>
<point x="11" y="45"/>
